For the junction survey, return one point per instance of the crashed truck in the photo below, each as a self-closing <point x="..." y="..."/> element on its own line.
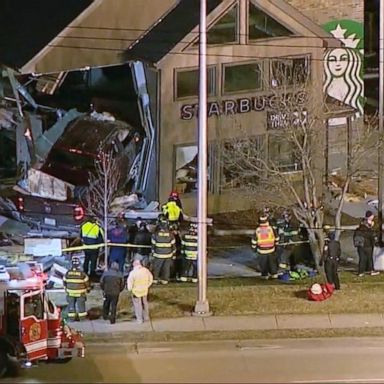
<point x="53" y="127"/>
<point x="31" y="326"/>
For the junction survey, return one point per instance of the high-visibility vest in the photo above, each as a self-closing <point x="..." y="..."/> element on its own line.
<point x="76" y="283"/>
<point x="163" y="244"/>
<point x="189" y="246"/>
<point x="265" y="239"/>
<point x="91" y="230"/>
<point x="172" y="211"/>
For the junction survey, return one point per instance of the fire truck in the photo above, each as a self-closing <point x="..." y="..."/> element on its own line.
<point x="31" y="326"/>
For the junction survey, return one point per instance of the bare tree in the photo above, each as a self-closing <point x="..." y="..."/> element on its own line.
<point x="292" y="179"/>
<point x="103" y="186"/>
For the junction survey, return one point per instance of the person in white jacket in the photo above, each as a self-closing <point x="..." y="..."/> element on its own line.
<point x="138" y="283"/>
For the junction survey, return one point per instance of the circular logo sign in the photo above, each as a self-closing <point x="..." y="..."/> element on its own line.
<point x="35" y="332"/>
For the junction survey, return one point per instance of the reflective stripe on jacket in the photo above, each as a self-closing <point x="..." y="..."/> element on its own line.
<point x="139" y="280"/>
<point x="76" y="283"/>
<point x="265" y="239"/>
<point x="172" y="211"/>
<point x="163" y="244"/>
<point x="91" y="230"/>
<point x="189" y="246"/>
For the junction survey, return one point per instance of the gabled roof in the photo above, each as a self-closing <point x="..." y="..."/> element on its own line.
<point x="26" y="26"/>
<point x="160" y="40"/>
<point x="184" y="17"/>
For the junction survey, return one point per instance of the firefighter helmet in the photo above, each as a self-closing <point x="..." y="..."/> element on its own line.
<point x="263" y="219"/>
<point x="316" y="289"/>
<point x="75" y="262"/>
<point x="162" y="220"/>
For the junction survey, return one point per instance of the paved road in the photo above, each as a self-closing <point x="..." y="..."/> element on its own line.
<point x="346" y="360"/>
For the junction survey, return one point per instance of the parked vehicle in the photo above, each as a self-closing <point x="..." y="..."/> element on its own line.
<point x="31" y="327"/>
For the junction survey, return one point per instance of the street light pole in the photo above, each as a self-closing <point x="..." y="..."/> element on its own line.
<point x="202" y="305"/>
<point x="381" y="127"/>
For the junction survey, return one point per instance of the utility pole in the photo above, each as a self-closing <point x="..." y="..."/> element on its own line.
<point x="381" y="127"/>
<point x="202" y="305"/>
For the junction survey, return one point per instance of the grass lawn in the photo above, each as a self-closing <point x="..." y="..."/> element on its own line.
<point x="253" y="296"/>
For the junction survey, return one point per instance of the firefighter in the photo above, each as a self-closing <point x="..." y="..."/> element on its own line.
<point x="264" y="243"/>
<point x="91" y="233"/>
<point x="176" y="198"/>
<point x="163" y="251"/>
<point x="173" y="212"/>
<point x="288" y="233"/>
<point x="76" y="285"/>
<point x="189" y="252"/>
<point x="143" y="237"/>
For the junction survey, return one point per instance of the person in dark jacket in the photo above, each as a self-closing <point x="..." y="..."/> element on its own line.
<point x="143" y="237"/>
<point x="112" y="283"/>
<point x="364" y="239"/>
<point x="117" y="254"/>
<point x="163" y="251"/>
<point x="330" y="258"/>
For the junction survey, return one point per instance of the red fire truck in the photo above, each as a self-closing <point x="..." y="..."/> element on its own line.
<point x="31" y="326"/>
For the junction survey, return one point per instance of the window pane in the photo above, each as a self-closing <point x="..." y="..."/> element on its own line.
<point x="242" y="77"/>
<point x="262" y="26"/>
<point x="186" y="171"/>
<point x="289" y="71"/>
<point x="188" y="83"/>
<point x="235" y="155"/>
<point x="282" y="154"/>
<point x="224" y="31"/>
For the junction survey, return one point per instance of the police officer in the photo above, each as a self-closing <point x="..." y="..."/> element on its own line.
<point x="330" y="258"/>
<point x="76" y="285"/>
<point x="264" y="243"/>
<point x="189" y="252"/>
<point x="91" y="233"/>
<point x="163" y="251"/>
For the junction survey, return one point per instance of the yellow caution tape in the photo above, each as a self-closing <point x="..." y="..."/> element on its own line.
<point x="102" y="245"/>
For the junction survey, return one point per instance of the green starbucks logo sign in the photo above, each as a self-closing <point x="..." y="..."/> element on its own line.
<point x="344" y="66"/>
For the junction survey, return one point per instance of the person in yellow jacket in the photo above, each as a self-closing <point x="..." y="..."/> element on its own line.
<point x="264" y="243"/>
<point x="173" y="212"/>
<point x="91" y="233"/>
<point x="76" y="286"/>
<point x="138" y="283"/>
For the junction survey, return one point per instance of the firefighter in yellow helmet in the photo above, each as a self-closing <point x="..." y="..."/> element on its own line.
<point x="264" y="243"/>
<point x="76" y="285"/>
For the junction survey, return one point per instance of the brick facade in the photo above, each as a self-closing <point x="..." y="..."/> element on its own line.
<point x="322" y="11"/>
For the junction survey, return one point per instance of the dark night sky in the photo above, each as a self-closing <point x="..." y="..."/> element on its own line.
<point x="26" y="26"/>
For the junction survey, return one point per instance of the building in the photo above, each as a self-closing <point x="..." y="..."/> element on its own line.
<point x="247" y="39"/>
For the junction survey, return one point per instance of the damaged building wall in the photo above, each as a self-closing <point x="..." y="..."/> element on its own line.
<point x="105" y="32"/>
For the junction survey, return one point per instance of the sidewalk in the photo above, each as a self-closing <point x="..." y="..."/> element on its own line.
<point x="235" y="323"/>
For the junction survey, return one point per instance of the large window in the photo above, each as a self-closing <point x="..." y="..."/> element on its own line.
<point x="224" y="31"/>
<point x="186" y="171"/>
<point x="187" y="83"/>
<point x="240" y="161"/>
<point x="262" y="26"/>
<point x="242" y="77"/>
<point x="289" y="71"/>
<point x="283" y="154"/>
